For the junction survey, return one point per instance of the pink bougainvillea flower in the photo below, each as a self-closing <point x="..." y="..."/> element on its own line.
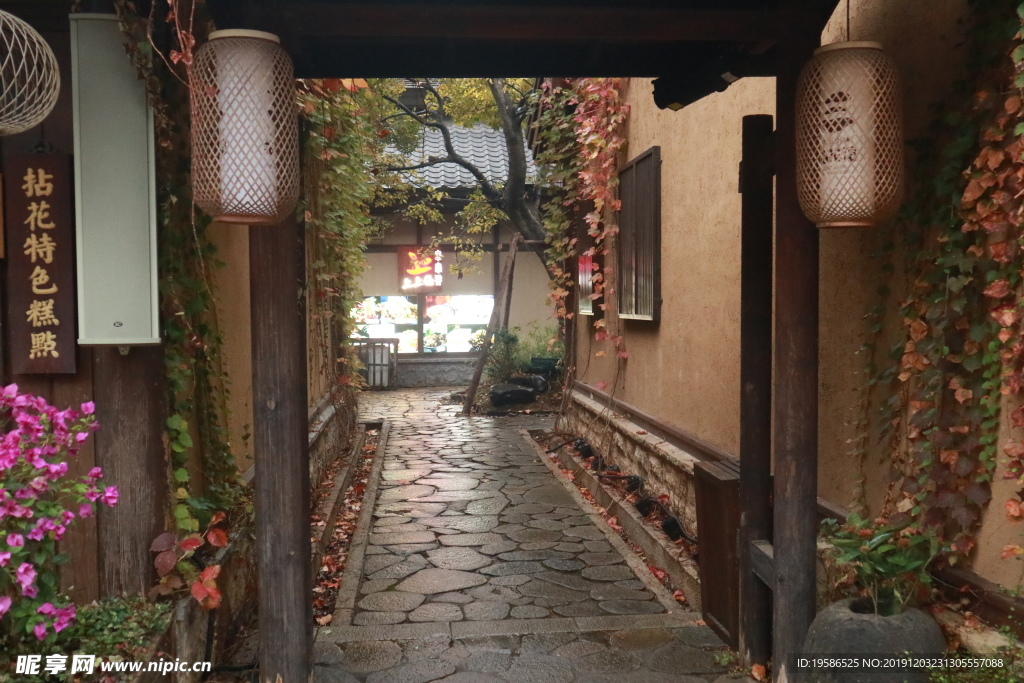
<point x="40" y="631"/>
<point x="81" y="436"/>
<point x="10" y="391"/>
<point x="36" y="534"/>
<point x="30" y="591"/>
<point x="110" y="496"/>
<point x="15" y="540"/>
<point x="65" y="616"/>
<point x="5" y="557"/>
<point x="95" y="473"/>
<point x="88" y="407"/>
<point x="5" y="604"/>
<point x="92" y="494"/>
<point x="25" y="574"/>
<point x="85" y="510"/>
<point x="47" y="608"/>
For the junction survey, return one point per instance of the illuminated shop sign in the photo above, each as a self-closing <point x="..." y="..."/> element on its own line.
<point x="419" y="270"/>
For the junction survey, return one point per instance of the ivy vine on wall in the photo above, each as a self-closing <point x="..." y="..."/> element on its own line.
<point x="582" y="133"/>
<point x="960" y="354"/>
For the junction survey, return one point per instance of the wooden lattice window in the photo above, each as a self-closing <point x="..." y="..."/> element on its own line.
<point x="639" y="240"/>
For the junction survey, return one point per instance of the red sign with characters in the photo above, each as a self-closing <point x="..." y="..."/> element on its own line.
<point x="40" y="271"/>
<point x="420" y="271"/>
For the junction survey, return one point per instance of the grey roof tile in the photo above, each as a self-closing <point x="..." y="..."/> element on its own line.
<point x="480" y="145"/>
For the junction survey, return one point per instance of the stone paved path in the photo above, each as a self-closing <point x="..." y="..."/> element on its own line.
<point x="475" y="562"/>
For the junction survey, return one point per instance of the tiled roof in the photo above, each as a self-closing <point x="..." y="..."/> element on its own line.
<point x="480" y="145"/>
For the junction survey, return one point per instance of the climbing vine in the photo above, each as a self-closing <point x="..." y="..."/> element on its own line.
<point x="582" y="131"/>
<point x="960" y="351"/>
<point x="342" y="145"/>
<point x="207" y="491"/>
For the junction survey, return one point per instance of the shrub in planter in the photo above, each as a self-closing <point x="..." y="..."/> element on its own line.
<point x="891" y="567"/>
<point x="38" y="501"/>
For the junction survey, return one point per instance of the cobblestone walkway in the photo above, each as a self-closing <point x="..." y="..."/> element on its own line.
<point x="475" y="562"/>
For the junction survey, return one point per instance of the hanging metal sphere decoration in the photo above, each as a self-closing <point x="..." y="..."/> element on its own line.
<point x="29" y="76"/>
<point x="245" y="130"/>
<point x="849" y="136"/>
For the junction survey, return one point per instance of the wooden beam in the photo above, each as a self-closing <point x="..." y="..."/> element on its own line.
<point x="451" y="21"/>
<point x="757" y="217"/>
<point x="796" y="374"/>
<point x="131" y="407"/>
<point x="280" y="446"/>
<point x="762" y="561"/>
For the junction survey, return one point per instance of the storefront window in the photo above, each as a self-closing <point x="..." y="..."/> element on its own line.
<point x="446" y="324"/>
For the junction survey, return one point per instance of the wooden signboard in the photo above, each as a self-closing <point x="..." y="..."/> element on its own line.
<point x="40" y="253"/>
<point x="419" y="270"/>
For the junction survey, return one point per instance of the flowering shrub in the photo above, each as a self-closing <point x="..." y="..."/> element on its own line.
<point x="38" y="500"/>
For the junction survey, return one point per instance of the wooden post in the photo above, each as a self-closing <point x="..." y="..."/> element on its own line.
<point x="755" y="486"/>
<point x="478" y="370"/>
<point x="506" y="313"/>
<point x="131" y="407"/>
<point x="796" y="374"/>
<point x="277" y="273"/>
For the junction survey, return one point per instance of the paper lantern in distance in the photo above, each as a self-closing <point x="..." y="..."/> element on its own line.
<point x="29" y="76"/>
<point x="245" y="130"/>
<point x="849" y="136"/>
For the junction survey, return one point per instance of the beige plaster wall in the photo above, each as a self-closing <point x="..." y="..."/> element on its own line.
<point x="686" y="370"/>
<point x="231" y="284"/>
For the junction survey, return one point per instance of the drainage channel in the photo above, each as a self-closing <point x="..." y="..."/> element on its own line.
<point x="339" y="499"/>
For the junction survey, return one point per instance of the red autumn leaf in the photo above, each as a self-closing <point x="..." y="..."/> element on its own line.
<point x="210" y="573"/>
<point x="758" y="673"/>
<point x="165" y="562"/>
<point x="998" y="289"/>
<point x="218" y="538"/>
<point x="1012" y="104"/>
<point x="1011" y="551"/>
<point x="191" y="543"/>
<point x="163" y="542"/>
<point x="963" y="395"/>
<point x="1013" y="510"/>
<point x="217" y="518"/>
<point x="658" y="573"/>
<point x="1014" y="449"/>
<point x="918" y="330"/>
<point x="199" y="591"/>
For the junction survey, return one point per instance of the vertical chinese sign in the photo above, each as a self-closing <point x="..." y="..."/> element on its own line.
<point x="420" y="271"/>
<point x="40" y="251"/>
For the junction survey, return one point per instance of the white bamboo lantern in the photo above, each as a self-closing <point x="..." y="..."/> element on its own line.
<point x="849" y="136"/>
<point x="29" y="76"/>
<point x="245" y="130"/>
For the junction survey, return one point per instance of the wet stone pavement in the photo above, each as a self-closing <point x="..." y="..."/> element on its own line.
<point x="477" y="562"/>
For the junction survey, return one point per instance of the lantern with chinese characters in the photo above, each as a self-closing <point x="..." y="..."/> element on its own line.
<point x="245" y="131"/>
<point x="29" y="77"/>
<point x="849" y="137"/>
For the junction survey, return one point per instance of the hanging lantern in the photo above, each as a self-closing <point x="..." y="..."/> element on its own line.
<point x="29" y="76"/>
<point x="245" y="130"/>
<point x="849" y="136"/>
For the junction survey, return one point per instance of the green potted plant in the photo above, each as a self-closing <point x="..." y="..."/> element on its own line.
<point x="890" y="565"/>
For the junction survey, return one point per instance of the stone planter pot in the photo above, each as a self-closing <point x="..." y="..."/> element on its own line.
<point x="850" y="627"/>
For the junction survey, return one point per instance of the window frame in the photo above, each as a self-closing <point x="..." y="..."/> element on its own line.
<point x="633" y="218"/>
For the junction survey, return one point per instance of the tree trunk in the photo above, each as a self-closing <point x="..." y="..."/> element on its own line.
<point x="503" y="285"/>
<point x="507" y="311"/>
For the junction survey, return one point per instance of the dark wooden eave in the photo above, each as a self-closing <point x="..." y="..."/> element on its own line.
<point x="474" y="38"/>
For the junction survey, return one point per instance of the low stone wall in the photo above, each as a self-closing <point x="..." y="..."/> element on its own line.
<point x="434" y="372"/>
<point x="330" y="432"/>
<point x="666" y="469"/>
